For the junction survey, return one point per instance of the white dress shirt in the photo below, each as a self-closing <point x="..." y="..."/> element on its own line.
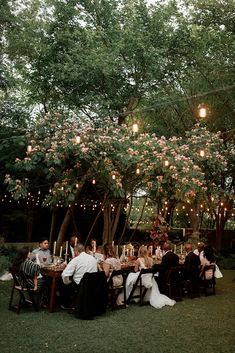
<point x="78" y="266"/>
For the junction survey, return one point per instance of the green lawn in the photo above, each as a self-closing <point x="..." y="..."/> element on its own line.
<point x="205" y="324"/>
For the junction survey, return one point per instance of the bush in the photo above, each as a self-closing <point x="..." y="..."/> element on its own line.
<point x="7" y="256"/>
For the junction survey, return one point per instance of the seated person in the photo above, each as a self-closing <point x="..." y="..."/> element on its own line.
<point x="200" y="251"/>
<point x="143" y="260"/>
<point x="169" y="260"/>
<point x="208" y="259"/>
<point x="110" y="263"/>
<point x="73" y="241"/>
<point x="31" y="271"/>
<point x="73" y="273"/>
<point x="191" y="263"/>
<point x="191" y="268"/>
<point x="42" y="255"/>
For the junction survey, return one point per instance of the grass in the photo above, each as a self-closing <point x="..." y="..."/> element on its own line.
<point x="201" y="325"/>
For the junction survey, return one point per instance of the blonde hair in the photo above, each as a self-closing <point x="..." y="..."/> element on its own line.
<point x="143" y="252"/>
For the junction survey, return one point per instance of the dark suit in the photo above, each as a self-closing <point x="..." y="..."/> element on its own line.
<point x="191" y="271"/>
<point x="169" y="260"/>
<point x="192" y="266"/>
<point x="92" y="296"/>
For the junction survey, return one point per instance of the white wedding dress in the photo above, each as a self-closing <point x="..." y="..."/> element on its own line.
<point x="153" y="295"/>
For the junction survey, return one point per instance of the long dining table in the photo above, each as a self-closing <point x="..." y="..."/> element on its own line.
<point x="54" y="273"/>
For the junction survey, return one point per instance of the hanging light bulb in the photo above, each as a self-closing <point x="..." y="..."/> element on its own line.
<point x="29" y="148"/>
<point x="202" y="153"/>
<point x="166" y="163"/>
<point x="137" y="171"/>
<point x="202" y="111"/>
<point x="93" y="181"/>
<point x="135" y="127"/>
<point x="78" y="139"/>
<point x="113" y="176"/>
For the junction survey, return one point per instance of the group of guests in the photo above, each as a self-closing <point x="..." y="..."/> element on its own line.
<point x="85" y="260"/>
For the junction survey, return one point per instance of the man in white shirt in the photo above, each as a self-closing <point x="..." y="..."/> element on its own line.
<point x="73" y="273"/>
<point x="79" y="265"/>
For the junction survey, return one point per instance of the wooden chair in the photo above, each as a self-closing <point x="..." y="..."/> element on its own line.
<point x="92" y="296"/>
<point x="26" y="295"/>
<point x="139" y="284"/>
<point x="173" y="283"/>
<point x="114" y="291"/>
<point x="208" y="284"/>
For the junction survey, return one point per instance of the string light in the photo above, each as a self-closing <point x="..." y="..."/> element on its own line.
<point x="29" y="148"/>
<point x="135" y="128"/>
<point x="202" y="111"/>
<point x="78" y="139"/>
<point x="202" y="153"/>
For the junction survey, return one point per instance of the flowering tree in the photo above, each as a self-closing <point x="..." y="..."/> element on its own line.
<point x="64" y="155"/>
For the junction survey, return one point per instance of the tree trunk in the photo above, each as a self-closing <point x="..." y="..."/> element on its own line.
<point x="68" y="216"/>
<point x="220" y="225"/>
<point x="116" y="220"/>
<point x="126" y="222"/>
<point x="53" y="223"/>
<point x="107" y="224"/>
<point x="141" y="215"/>
<point x="96" y="219"/>
<point x="195" y="221"/>
<point x="29" y="224"/>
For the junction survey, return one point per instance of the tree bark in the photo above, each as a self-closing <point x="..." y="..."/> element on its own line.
<point x="195" y="221"/>
<point x="126" y="223"/>
<point x="68" y="216"/>
<point x="96" y="219"/>
<point x="141" y="215"/>
<point x="116" y="220"/>
<point x="53" y="223"/>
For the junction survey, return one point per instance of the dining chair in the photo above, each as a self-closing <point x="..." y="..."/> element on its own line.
<point x="115" y="290"/>
<point x="139" y="290"/>
<point x="173" y="283"/>
<point x="208" y="279"/>
<point x="92" y="296"/>
<point x="26" y="295"/>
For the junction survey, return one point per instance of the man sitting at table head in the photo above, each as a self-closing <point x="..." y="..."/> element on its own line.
<point x="169" y="259"/>
<point x="192" y="266"/>
<point x="42" y="254"/>
<point x="74" y="271"/>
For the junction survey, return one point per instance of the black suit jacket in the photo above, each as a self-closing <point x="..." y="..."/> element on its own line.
<point x="92" y="296"/>
<point x="169" y="260"/>
<point x="192" y="265"/>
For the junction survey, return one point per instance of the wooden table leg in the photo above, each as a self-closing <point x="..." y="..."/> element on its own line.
<point x="53" y="295"/>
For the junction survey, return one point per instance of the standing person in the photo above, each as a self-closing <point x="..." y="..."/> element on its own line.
<point x="73" y="273"/>
<point x="42" y="255"/>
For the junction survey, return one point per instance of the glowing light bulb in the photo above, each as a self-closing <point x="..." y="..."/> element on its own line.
<point x="78" y="139"/>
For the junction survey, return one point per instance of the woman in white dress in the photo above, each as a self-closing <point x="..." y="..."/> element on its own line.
<point x="156" y="299"/>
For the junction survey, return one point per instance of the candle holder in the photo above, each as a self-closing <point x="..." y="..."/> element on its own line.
<point x="66" y="258"/>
